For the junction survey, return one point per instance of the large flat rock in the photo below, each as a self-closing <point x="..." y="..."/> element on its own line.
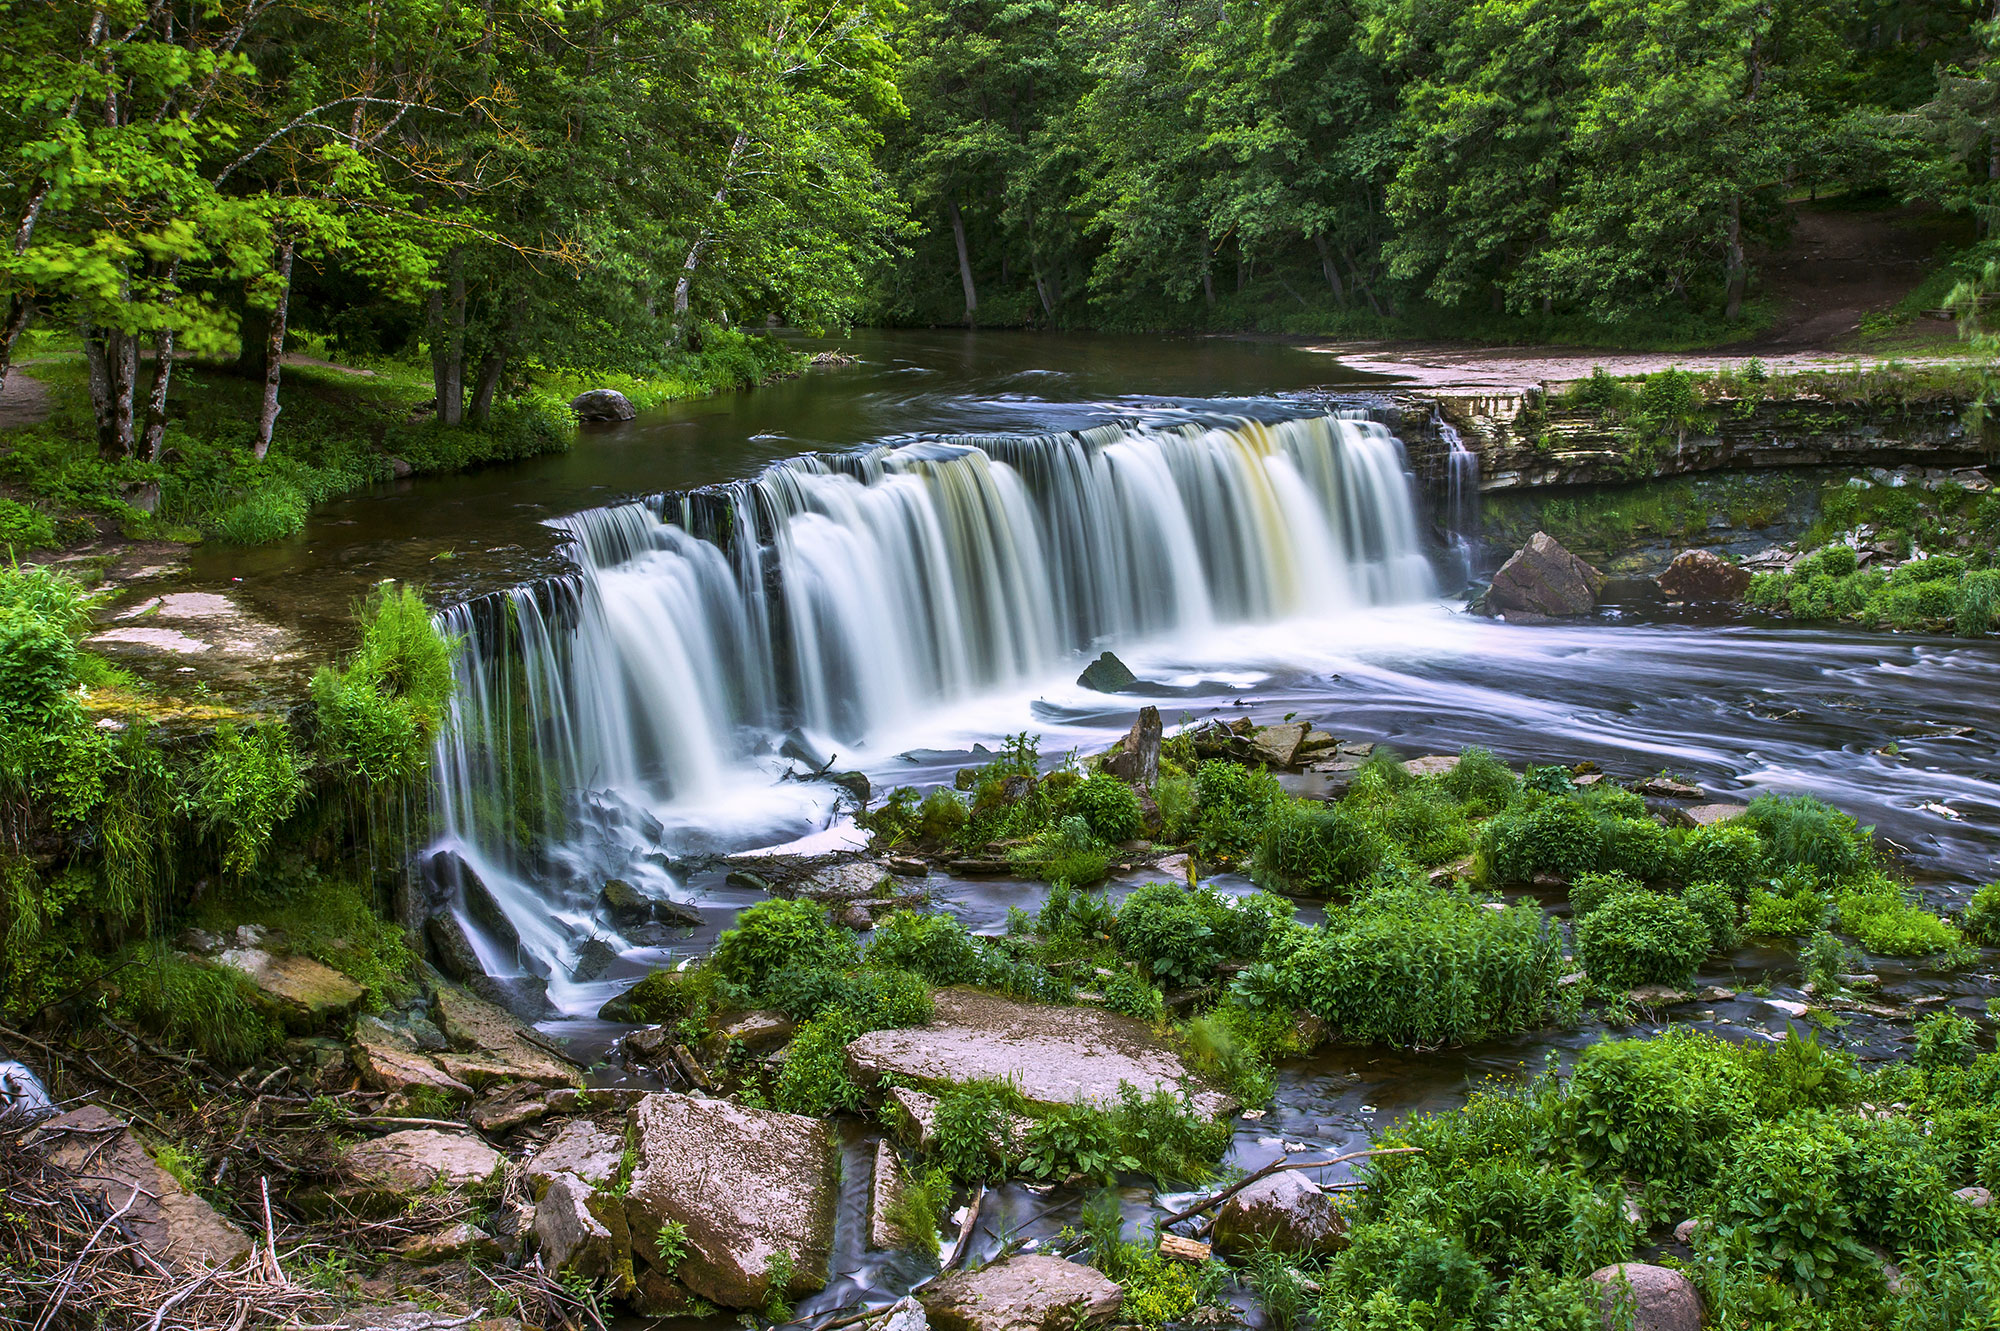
<point x="1054" y="1055"/>
<point x="752" y="1187"/>
<point x="489" y="1044"/>
<point x="1023" y="1294"/>
<point x="306" y="995"/>
<point x="178" y="1228"/>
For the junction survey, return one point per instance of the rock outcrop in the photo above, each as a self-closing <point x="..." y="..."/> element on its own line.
<point x="1136" y="758"/>
<point x="753" y="1188"/>
<point x="1055" y="1056"/>
<point x="602" y="404"/>
<point x="1023" y="1294"/>
<point x="1543" y="579"/>
<point x="179" y="1229"/>
<point x="1647" y="1298"/>
<point x="1107" y="674"/>
<point x="1287" y="1211"/>
<point x="1703" y="575"/>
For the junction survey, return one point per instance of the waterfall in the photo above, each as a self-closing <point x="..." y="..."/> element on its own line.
<point x="846" y="596"/>
<point x="1461" y="511"/>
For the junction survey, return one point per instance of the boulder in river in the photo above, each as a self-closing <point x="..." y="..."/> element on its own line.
<point x="629" y="908"/>
<point x="1542" y="578"/>
<point x="1287" y="1211"/>
<point x="176" y="1227"/>
<point x="1278" y="746"/>
<point x="754" y="1188"/>
<point x="1023" y="1293"/>
<point x="602" y="404"/>
<point x="1642" y="1297"/>
<point x="1055" y="1056"/>
<point x="1703" y="575"/>
<point x="1107" y="674"/>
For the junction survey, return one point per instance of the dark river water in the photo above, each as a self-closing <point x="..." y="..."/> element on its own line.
<point x="1897" y="729"/>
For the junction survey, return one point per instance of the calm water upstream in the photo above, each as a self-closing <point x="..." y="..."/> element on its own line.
<point x="987" y="512"/>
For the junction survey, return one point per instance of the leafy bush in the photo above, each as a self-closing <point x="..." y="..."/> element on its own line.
<point x="378" y="715"/>
<point x="1801" y="831"/>
<point x="775" y="934"/>
<point x="1233" y="805"/>
<point x="1179" y="804"/>
<point x="1982" y="916"/>
<point x="1731" y="853"/>
<point x="1182" y="934"/>
<point x="248" y="783"/>
<point x="935" y="946"/>
<point x="1414" y="966"/>
<point x="1637" y="846"/>
<point x="1592" y="890"/>
<point x="23" y="528"/>
<point x="972" y="1130"/>
<point x="814" y="1080"/>
<point x="1068" y="853"/>
<point x="1314" y="849"/>
<point x="1481" y="782"/>
<point x="1715" y="905"/>
<point x="1558" y="836"/>
<point x="1946" y="1040"/>
<point x="1109" y="805"/>
<point x="1780" y="1205"/>
<point x="1072" y="1140"/>
<point x="1420" y="818"/>
<point x="1795" y="907"/>
<point x="270" y="512"/>
<point x="918" y="1206"/>
<point x="1659" y="1109"/>
<point x="1640" y="938"/>
<point x="1879" y="914"/>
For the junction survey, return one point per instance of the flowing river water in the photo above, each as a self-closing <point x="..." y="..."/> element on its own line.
<point x="894" y="561"/>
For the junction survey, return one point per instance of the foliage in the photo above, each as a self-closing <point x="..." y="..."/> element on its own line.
<point x="773" y="935"/>
<point x="1982" y="916"/>
<point x="814" y="1081"/>
<point x="919" y="1204"/>
<point x="1182" y="934"/>
<point x="1877" y="911"/>
<point x="1312" y="849"/>
<point x="1945" y="1040"/>
<point x="1792" y="905"/>
<point x="379" y="713"/>
<point x="1730" y="853"/>
<point x="249" y="782"/>
<point x="1640" y="938"/>
<point x="1480" y="782"/>
<point x="1234" y="803"/>
<point x="935" y="946"/>
<point x="1109" y="805"/>
<point x="191" y="1003"/>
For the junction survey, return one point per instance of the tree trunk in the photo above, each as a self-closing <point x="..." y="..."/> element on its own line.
<point x="964" y="264"/>
<point x="273" y="351"/>
<point x="155" y="435"/>
<point x="17" y="320"/>
<point x="488" y="384"/>
<point x="256" y="331"/>
<point x="1361" y="283"/>
<point x="1332" y="271"/>
<point x="684" y="287"/>
<point x="448" y="343"/>
<point x="1738" y="269"/>
<point x="113" y="358"/>
<point x="1207" y="281"/>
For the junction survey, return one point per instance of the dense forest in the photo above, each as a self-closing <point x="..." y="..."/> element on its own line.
<point x="505" y="188"/>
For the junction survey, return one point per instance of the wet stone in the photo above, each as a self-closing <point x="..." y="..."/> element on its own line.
<point x="1031" y="1293"/>
<point x="1647" y="1298"/>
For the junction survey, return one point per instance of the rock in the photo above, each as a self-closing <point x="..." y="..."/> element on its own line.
<point x="1054" y="1055"/>
<point x="905" y="1314"/>
<point x="1288" y="1211"/>
<point x="1107" y="674"/>
<point x="452" y="948"/>
<point x="593" y="957"/>
<point x="493" y="1046"/>
<point x="855" y="917"/>
<point x="1542" y="578"/>
<point x="304" y="994"/>
<point x="1278" y="746"/>
<point x="906" y="866"/>
<point x="179" y="1229"/>
<point x="449" y="1244"/>
<point x="581" y="1148"/>
<point x="854" y="783"/>
<point x="759" y="1032"/>
<point x="1789" y="1006"/>
<point x="1687" y="1231"/>
<point x="1659" y="995"/>
<point x="1316" y="743"/>
<point x="1708" y="815"/>
<point x="513" y="1107"/>
<point x="1432" y="764"/>
<point x="1135" y="759"/>
<point x="485" y="911"/>
<point x="418" y="1159"/>
<point x="1702" y="575"/>
<point x="602" y="404"/>
<point x="887" y="1183"/>
<point x="748" y="1184"/>
<point x="629" y="908"/>
<point x="1975" y="1197"/>
<point x="1667" y="788"/>
<point x="660" y="1295"/>
<point x="569" y="1234"/>
<point x="387" y="1064"/>
<point x="979" y="866"/>
<point x="1658" y="1298"/>
<point x="524" y="996"/>
<point x="1031" y="1293"/>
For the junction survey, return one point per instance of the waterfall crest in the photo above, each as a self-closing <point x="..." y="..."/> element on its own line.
<point x="845" y="595"/>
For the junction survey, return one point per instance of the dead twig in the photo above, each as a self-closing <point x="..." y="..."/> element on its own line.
<point x="1278" y="1167"/>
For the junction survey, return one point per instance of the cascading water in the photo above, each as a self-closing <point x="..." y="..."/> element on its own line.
<point x="846" y="596"/>
<point x="1461" y="511"/>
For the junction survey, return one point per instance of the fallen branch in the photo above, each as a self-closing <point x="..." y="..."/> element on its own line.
<point x="1278" y="1167"/>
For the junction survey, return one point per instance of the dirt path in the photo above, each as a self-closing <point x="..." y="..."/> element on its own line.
<point x="24" y="401"/>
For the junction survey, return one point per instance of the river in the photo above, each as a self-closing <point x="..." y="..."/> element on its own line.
<point x="937" y="578"/>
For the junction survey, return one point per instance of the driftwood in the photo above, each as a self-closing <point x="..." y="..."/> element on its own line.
<point x="1278" y="1167"/>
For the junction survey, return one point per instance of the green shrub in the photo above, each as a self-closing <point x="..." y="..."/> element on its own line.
<point x="1796" y="908"/>
<point x="935" y="946"/>
<point x="1731" y="853"/>
<point x="1888" y="924"/>
<point x="775" y="934"/>
<point x="1978" y="605"/>
<point x="1315" y="849"/>
<point x="1164" y="1135"/>
<point x="1982" y="916"/>
<point x="379" y="714"/>
<point x="1559" y="836"/>
<point x="1946" y="1040"/>
<point x="1780" y="1205"/>
<point x="814" y="1081"/>
<point x="23" y="528"/>
<point x="1640" y="938"/>
<point x="1109" y="805"/>
<point x="270" y="512"/>
<point x="1234" y="803"/>
<point x="1481" y="782"/>
<point x="1068" y="853"/>
<point x="1415" y="966"/>
<point x="1592" y="890"/>
<point x="1180" y="808"/>
<point x="248" y="782"/>
<point x="1072" y="1140"/>
<point x="1637" y="846"/>
<point x="1167" y="929"/>
<point x="1715" y="905"/>
<point x="1420" y="818"/>
<point x="1801" y="831"/>
<point x="972" y="1130"/>
<point x="1660" y="1109"/>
